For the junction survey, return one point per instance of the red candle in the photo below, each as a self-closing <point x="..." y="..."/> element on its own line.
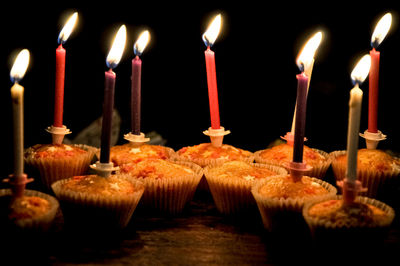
<point x="373" y="92"/>
<point x="209" y="38"/>
<point x="136" y="94"/>
<point x="212" y="88"/>
<point x="380" y="31"/>
<point x="59" y="87"/>
<point x="300" y="124"/>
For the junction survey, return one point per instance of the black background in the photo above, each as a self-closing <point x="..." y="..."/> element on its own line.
<point x="255" y="60"/>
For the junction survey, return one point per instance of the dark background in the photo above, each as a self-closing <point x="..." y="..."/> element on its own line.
<point x="255" y="60"/>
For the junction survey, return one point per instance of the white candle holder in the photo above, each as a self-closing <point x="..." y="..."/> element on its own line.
<point x="136" y="140"/>
<point x="58" y="133"/>
<point x="216" y="135"/>
<point x="297" y="170"/>
<point x="104" y="169"/>
<point x="372" y="139"/>
<point x="289" y="137"/>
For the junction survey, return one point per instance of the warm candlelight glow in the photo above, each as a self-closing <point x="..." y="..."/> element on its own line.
<point x="141" y="42"/>
<point x="381" y="29"/>
<point x="212" y="32"/>
<point x="361" y="70"/>
<point x="20" y="65"/>
<point x="115" y="54"/>
<point x="306" y="55"/>
<point x="69" y="26"/>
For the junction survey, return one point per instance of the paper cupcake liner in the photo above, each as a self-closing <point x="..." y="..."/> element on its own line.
<point x="280" y="214"/>
<point x="203" y="186"/>
<point x="54" y="169"/>
<point x="92" y="211"/>
<point x="318" y="171"/>
<point x="37" y="224"/>
<point x="170" y="195"/>
<point x="377" y="183"/>
<point x="233" y="195"/>
<point x="351" y="234"/>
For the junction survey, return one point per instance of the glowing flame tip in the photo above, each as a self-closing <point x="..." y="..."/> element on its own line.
<point x="117" y="48"/>
<point x="141" y="43"/>
<point x="20" y="65"/>
<point x="381" y="29"/>
<point x="361" y="70"/>
<point x="67" y="29"/>
<point x="212" y="31"/>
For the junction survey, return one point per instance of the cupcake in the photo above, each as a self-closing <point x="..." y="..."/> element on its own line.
<point x="205" y="153"/>
<point x="230" y="183"/>
<point x="377" y="171"/>
<point x="282" y="154"/>
<point x="169" y="184"/>
<point x="55" y="162"/>
<point x="129" y="153"/>
<point x="360" y="225"/>
<point x="33" y="212"/>
<point x="92" y="202"/>
<point x="280" y="200"/>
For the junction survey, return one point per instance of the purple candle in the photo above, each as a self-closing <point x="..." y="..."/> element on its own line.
<point x="136" y="80"/>
<point x="112" y="61"/>
<point x="302" y="83"/>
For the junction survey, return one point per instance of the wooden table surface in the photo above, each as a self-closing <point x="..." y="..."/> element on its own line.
<point x="198" y="236"/>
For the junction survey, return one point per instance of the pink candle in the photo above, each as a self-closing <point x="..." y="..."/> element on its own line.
<point x="300" y="124"/>
<point x="59" y="87"/>
<point x="373" y="92"/>
<point x="212" y="88"/>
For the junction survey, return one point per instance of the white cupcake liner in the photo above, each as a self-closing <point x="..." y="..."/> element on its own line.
<point x="113" y="212"/>
<point x="316" y="171"/>
<point x="377" y="183"/>
<point x="37" y="224"/>
<point x="170" y="195"/>
<point x="54" y="169"/>
<point x="233" y="195"/>
<point x="275" y="211"/>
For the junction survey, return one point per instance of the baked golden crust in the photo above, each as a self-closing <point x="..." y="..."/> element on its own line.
<point x="241" y="170"/>
<point x="156" y="169"/>
<point x="335" y="211"/>
<point x="54" y="151"/>
<point x="284" y="153"/>
<point x="284" y="187"/>
<point x="97" y="185"/>
<point x="28" y="207"/>
<point x="128" y="153"/>
<point x="208" y="151"/>
<point x="375" y="160"/>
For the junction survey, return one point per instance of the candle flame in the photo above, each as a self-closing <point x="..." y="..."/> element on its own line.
<point x="306" y="56"/>
<point x="68" y="27"/>
<point x="20" y="65"/>
<point x="381" y="29"/>
<point x="212" y="31"/>
<point x="361" y="70"/>
<point x="115" y="54"/>
<point x="141" y="43"/>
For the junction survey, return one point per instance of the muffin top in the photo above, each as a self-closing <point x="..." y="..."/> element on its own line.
<point x="240" y="169"/>
<point x="128" y="153"/>
<point x="373" y="159"/>
<point x="208" y="151"/>
<point x="156" y="169"/>
<point x="54" y="151"/>
<point x="28" y="207"/>
<point x="356" y="213"/>
<point x="284" y="153"/>
<point x="97" y="185"/>
<point x="285" y="187"/>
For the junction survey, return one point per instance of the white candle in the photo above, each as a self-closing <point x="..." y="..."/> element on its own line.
<point x="352" y="132"/>
<point x="17" y="95"/>
<point x="358" y="75"/>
